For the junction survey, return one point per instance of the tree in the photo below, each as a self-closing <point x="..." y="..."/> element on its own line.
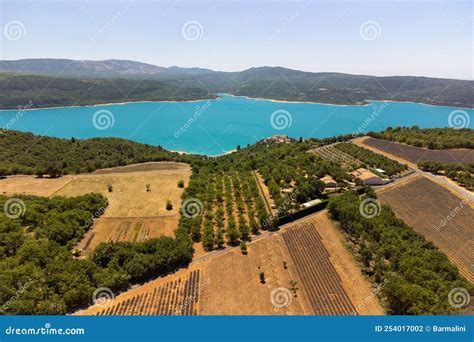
<point x="39" y="173"/>
<point x="261" y="275"/>
<point x="219" y="238"/>
<point x="293" y="287"/>
<point x="232" y="235"/>
<point x="243" y="247"/>
<point x="110" y="188"/>
<point x="148" y="187"/>
<point x="169" y="205"/>
<point x="53" y="171"/>
<point x="181" y="184"/>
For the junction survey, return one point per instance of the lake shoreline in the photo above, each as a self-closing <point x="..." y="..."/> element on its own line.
<point x="219" y="97"/>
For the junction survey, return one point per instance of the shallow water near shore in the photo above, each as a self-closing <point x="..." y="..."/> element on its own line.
<point x="214" y="127"/>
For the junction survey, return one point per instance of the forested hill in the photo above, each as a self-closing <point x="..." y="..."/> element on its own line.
<point x="49" y="91"/>
<point x="337" y="88"/>
<point x="25" y="153"/>
<point x="432" y="138"/>
<point x="114" y="78"/>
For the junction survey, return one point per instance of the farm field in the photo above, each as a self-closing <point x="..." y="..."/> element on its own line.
<point x="443" y="218"/>
<point x="129" y="197"/>
<point x="31" y="185"/>
<point x="227" y="282"/>
<point x="235" y="287"/>
<point x="319" y="276"/>
<point x="415" y="154"/>
<point x="333" y="154"/>
<point x="133" y="214"/>
<point x="230" y="207"/>
<point x="137" y="229"/>
<point x="177" y="294"/>
<point x="322" y="232"/>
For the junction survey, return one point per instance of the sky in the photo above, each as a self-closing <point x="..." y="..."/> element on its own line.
<point x="421" y="38"/>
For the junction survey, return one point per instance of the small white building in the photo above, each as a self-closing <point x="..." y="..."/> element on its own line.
<point x="311" y="203"/>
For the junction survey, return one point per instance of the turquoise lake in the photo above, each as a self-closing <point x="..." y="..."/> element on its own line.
<point x="213" y="127"/>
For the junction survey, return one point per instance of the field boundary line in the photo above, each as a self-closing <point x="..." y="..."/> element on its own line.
<point x="262" y="193"/>
<point x="62" y="187"/>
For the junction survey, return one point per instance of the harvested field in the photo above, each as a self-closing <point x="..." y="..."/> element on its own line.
<point x="358" y="288"/>
<point x="235" y="287"/>
<point x="228" y="282"/>
<point x="437" y="214"/>
<point x="319" y="276"/>
<point x="129" y="197"/>
<point x="31" y="185"/>
<point x="174" y="295"/>
<point x="415" y="154"/>
<point x="152" y="166"/>
<point x="137" y="229"/>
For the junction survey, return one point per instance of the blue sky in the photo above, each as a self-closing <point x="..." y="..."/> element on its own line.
<point x="430" y="38"/>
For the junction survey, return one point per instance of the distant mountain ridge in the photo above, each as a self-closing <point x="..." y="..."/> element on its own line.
<point x="89" y="68"/>
<point x="276" y="83"/>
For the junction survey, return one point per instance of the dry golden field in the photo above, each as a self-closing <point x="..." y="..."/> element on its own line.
<point x="133" y="214"/>
<point x="129" y="197"/>
<point x="328" y="282"/>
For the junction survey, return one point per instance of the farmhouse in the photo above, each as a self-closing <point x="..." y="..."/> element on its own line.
<point x="328" y="181"/>
<point x="367" y="177"/>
